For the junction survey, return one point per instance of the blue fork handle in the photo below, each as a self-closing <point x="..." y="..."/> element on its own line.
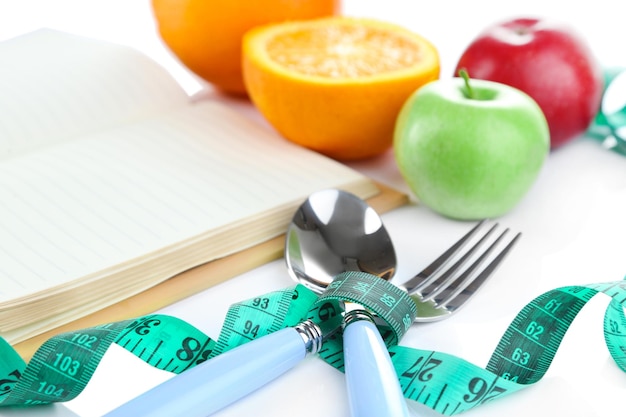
<point x="220" y="381"/>
<point x="373" y="386"/>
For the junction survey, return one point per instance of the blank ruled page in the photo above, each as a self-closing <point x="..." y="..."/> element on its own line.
<point x="105" y="164"/>
<point x="83" y="206"/>
<point x="56" y="87"/>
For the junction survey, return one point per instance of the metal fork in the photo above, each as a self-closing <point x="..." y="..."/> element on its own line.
<point x="438" y="291"/>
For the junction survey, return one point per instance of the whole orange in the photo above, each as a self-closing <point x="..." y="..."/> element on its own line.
<point x="205" y="35"/>
<point x="336" y="85"/>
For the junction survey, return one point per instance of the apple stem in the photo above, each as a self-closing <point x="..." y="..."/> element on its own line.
<point x="469" y="93"/>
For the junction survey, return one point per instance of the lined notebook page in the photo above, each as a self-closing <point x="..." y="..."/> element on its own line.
<point x="105" y="163"/>
<point x="56" y="87"/>
<point x="85" y="205"/>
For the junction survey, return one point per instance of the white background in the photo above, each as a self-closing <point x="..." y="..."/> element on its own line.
<point x="573" y="221"/>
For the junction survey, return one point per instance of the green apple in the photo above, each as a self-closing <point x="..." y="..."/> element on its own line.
<point x="470" y="149"/>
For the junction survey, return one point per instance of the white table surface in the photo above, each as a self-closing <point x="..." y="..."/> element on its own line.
<point x="573" y="221"/>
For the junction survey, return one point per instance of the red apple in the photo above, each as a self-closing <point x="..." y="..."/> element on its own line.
<point x="548" y="61"/>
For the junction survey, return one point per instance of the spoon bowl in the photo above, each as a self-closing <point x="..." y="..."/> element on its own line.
<point x="333" y="232"/>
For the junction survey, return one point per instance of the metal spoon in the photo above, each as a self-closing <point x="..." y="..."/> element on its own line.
<point x="332" y="232"/>
<point x="346" y="234"/>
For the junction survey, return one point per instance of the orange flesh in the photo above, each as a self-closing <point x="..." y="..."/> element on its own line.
<point x="343" y="51"/>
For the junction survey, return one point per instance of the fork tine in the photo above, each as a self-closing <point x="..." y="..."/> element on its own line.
<point x="428" y="274"/>
<point x="448" y="277"/>
<point x="468" y="285"/>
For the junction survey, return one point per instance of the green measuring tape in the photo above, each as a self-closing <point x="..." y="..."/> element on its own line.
<point x="63" y="365"/>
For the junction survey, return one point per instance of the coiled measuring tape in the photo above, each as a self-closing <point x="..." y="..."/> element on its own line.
<point x="63" y="365"/>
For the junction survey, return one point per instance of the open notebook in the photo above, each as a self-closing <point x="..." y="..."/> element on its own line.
<point x="112" y="180"/>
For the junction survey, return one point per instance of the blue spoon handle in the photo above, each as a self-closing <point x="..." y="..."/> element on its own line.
<point x="218" y="382"/>
<point x="373" y="386"/>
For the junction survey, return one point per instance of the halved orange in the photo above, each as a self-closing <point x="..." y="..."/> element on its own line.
<point x="336" y="85"/>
